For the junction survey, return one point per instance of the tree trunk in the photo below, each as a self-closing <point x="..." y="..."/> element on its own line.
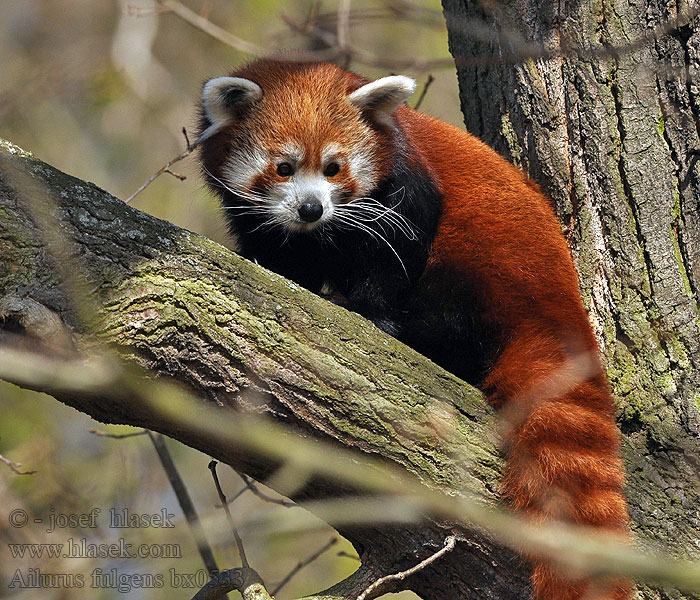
<point x="597" y="102"/>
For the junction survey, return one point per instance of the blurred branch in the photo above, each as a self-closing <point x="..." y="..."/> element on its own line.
<point x="343" y="23"/>
<point x="185" y="502"/>
<point x="201" y="22"/>
<point x="118" y="436"/>
<point x="343" y="33"/>
<point x="15" y="466"/>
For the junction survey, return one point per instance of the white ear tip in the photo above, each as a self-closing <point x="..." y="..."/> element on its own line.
<point x="222" y="96"/>
<point x="408" y="84"/>
<point x="213" y="85"/>
<point x="384" y="94"/>
<point x="214" y="88"/>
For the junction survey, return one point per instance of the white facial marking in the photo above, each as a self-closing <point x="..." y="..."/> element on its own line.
<point x="243" y="166"/>
<point x="304" y="186"/>
<point x="329" y="153"/>
<point x="363" y="170"/>
<point x="292" y="152"/>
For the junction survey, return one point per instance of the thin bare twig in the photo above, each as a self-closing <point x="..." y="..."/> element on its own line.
<point x="303" y="563"/>
<point x="166" y="167"/>
<point x="14" y="466"/>
<point x="201" y="22"/>
<point x="360" y="55"/>
<point x="424" y="91"/>
<point x="118" y="436"/>
<point x="237" y="495"/>
<point x="250" y="485"/>
<point x="222" y="497"/>
<point x="348" y="555"/>
<point x="180" y="176"/>
<point x="183" y="498"/>
<point x="450" y="542"/>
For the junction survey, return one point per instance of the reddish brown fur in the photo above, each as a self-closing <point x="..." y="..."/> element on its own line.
<point x="563" y="450"/>
<point x="499" y="236"/>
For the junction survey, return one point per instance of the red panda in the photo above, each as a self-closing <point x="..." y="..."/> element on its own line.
<point x="331" y="180"/>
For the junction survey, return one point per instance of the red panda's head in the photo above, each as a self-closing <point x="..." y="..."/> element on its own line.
<point x="298" y="139"/>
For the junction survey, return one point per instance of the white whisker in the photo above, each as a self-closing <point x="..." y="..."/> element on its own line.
<point x="348" y="220"/>
<point x="369" y="210"/>
<point x="252" y="197"/>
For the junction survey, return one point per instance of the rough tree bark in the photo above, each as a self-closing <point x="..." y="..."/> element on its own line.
<point x="598" y="101"/>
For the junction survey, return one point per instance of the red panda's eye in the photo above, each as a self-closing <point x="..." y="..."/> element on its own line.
<point x="331" y="169"/>
<point x="285" y="169"/>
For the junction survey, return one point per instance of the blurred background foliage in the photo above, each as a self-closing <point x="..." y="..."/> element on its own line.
<point x="102" y="89"/>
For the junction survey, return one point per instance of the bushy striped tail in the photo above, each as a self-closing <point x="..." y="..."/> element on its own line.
<point x="562" y="449"/>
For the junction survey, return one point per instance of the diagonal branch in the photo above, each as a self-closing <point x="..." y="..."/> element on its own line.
<point x="241" y="338"/>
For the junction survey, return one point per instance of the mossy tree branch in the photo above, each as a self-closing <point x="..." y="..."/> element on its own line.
<point x="76" y="259"/>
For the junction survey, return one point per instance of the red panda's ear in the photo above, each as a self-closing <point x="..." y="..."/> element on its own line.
<point x="381" y="97"/>
<point x="222" y="97"/>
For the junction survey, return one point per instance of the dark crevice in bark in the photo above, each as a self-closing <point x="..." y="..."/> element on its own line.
<point x="677" y="162"/>
<point x="678" y="224"/>
<point x="684" y="35"/>
<point x="628" y="198"/>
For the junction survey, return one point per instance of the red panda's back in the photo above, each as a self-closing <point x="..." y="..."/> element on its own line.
<point x="497" y="229"/>
<point x="499" y="233"/>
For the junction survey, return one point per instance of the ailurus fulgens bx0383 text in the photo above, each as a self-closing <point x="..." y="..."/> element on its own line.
<point x="331" y="180"/>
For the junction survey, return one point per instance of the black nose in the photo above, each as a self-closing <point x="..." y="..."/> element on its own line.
<point x="310" y="211"/>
